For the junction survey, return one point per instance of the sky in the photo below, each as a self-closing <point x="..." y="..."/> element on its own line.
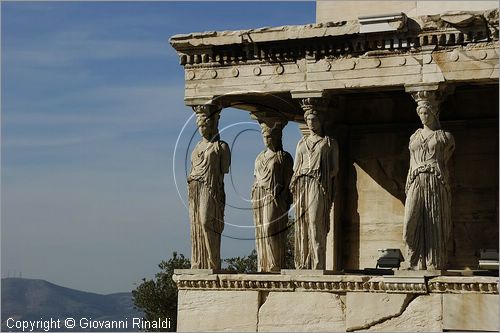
<point x="93" y="184"/>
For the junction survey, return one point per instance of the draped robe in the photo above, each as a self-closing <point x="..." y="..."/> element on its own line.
<point x="209" y="162"/>
<point x="316" y="164"/>
<point x="427" y="221"/>
<point x="271" y="200"/>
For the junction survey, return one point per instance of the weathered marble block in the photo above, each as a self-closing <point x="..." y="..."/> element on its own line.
<point x="209" y="311"/>
<point x="422" y="314"/>
<point x="474" y="312"/>
<point x="367" y="309"/>
<point x="302" y="311"/>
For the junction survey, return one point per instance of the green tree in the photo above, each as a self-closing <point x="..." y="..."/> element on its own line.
<point x="244" y="264"/>
<point x="158" y="297"/>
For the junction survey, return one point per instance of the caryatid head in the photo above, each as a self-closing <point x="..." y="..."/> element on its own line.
<point x="428" y="113"/>
<point x="313" y="121"/>
<point x="207" y="120"/>
<point x="313" y="113"/>
<point x="271" y="134"/>
<point x="428" y="108"/>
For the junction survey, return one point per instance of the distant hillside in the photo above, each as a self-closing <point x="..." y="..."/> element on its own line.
<point x="29" y="299"/>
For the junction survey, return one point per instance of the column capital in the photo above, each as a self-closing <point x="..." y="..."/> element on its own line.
<point x="299" y="94"/>
<point x="270" y="119"/>
<point x="429" y="92"/>
<point x="317" y="100"/>
<point x="423" y="86"/>
<point x="207" y="109"/>
<point x="319" y="104"/>
<point x="198" y="100"/>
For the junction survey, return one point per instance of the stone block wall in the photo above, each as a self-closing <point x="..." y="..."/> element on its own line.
<point x="205" y="310"/>
<point x="351" y="10"/>
<point x="336" y="303"/>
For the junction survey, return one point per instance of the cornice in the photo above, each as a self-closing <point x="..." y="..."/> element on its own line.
<point x="339" y="283"/>
<point x="334" y="40"/>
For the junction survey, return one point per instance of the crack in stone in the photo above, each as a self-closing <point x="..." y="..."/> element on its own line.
<point x="405" y="305"/>
<point x="342" y="302"/>
<point x="262" y="299"/>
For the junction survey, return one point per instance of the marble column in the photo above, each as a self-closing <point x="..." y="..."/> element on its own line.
<point x="210" y="160"/>
<point x="427" y="228"/>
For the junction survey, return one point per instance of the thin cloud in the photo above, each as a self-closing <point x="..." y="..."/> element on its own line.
<point x="60" y="53"/>
<point x="95" y="114"/>
<point x="92" y="103"/>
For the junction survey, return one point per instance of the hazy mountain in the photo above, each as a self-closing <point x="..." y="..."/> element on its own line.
<point x="29" y="299"/>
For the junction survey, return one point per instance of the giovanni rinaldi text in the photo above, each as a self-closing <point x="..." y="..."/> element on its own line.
<point x="86" y="323"/>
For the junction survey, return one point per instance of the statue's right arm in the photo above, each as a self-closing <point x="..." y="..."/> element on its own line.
<point x="408" y="176"/>
<point x="225" y="158"/>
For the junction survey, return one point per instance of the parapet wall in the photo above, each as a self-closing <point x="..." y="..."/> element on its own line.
<point x="350" y="10"/>
<point x="302" y="302"/>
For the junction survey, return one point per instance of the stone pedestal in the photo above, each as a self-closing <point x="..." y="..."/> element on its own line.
<point x="320" y="303"/>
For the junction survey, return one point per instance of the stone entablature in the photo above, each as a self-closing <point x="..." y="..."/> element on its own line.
<point x="337" y="39"/>
<point x="338" y="283"/>
<point x="458" y="47"/>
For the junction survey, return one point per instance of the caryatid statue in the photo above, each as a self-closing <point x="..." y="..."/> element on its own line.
<point x="427" y="221"/>
<point x="210" y="160"/>
<point x="271" y="197"/>
<point x="316" y="165"/>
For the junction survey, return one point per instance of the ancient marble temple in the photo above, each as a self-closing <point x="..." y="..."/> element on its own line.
<point x="397" y="102"/>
